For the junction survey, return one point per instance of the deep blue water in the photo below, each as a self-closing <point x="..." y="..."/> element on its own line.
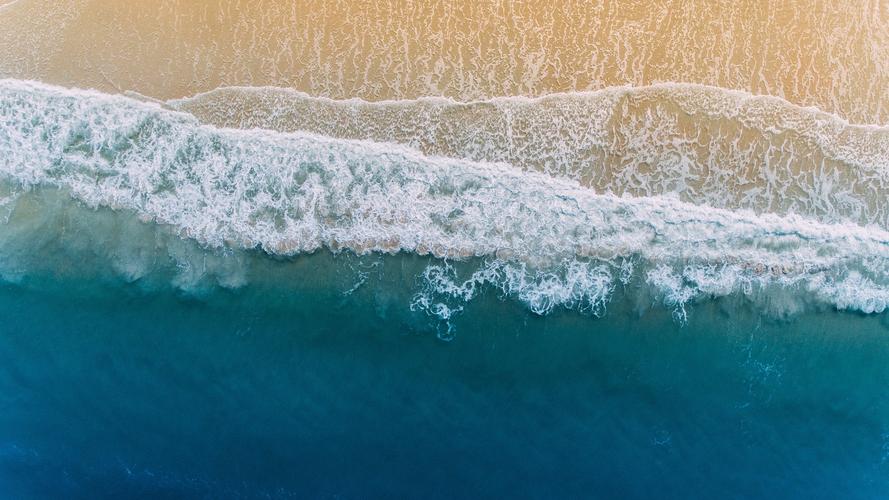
<point x="291" y="389"/>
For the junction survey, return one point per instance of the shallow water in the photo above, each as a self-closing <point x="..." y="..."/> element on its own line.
<point x="811" y="52"/>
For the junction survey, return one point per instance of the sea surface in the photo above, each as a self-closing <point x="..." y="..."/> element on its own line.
<point x="464" y="250"/>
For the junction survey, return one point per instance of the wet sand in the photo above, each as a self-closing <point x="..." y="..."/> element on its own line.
<point x="830" y="55"/>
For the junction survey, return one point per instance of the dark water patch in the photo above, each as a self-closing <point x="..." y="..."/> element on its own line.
<point x="271" y="391"/>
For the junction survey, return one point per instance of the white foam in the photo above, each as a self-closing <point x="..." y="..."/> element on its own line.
<point x="548" y="241"/>
<point x="709" y="145"/>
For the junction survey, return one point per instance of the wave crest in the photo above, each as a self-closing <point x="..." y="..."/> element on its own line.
<point x="549" y="241"/>
<point x="709" y="145"/>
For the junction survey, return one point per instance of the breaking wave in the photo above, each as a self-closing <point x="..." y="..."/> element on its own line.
<point x="535" y="234"/>
<point x="709" y="145"/>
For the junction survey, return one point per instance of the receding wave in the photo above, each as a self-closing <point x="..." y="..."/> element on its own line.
<point x="709" y="145"/>
<point x="546" y="240"/>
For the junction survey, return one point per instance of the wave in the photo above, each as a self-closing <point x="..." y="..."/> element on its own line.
<point x="6" y="3"/>
<point x="548" y="241"/>
<point x="712" y="146"/>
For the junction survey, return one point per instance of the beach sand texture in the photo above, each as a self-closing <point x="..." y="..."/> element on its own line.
<point x="832" y="55"/>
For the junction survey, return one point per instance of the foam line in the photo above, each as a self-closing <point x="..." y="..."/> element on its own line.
<point x="544" y="238"/>
<point x="710" y="146"/>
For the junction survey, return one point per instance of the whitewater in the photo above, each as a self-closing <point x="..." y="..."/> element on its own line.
<point x="544" y="237"/>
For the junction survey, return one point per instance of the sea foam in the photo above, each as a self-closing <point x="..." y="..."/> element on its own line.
<point x="709" y="145"/>
<point x="546" y="240"/>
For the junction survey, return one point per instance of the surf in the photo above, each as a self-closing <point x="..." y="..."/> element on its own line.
<point x="709" y="145"/>
<point x="547" y="241"/>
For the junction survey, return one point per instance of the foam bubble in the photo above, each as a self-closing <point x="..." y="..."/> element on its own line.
<point x="709" y="145"/>
<point x="548" y="241"/>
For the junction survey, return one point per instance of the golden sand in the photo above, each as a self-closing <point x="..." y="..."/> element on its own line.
<point x="828" y="54"/>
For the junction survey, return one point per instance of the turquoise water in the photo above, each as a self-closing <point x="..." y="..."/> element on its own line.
<point x="299" y="391"/>
<point x="196" y="312"/>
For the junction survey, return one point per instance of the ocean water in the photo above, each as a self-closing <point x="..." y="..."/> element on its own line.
<point x="295" y="388"/>
<point x="458" y="249"/>
<point x="586" y="295"/>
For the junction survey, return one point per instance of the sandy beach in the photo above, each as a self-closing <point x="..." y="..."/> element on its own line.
<point x="811" y="52"/>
